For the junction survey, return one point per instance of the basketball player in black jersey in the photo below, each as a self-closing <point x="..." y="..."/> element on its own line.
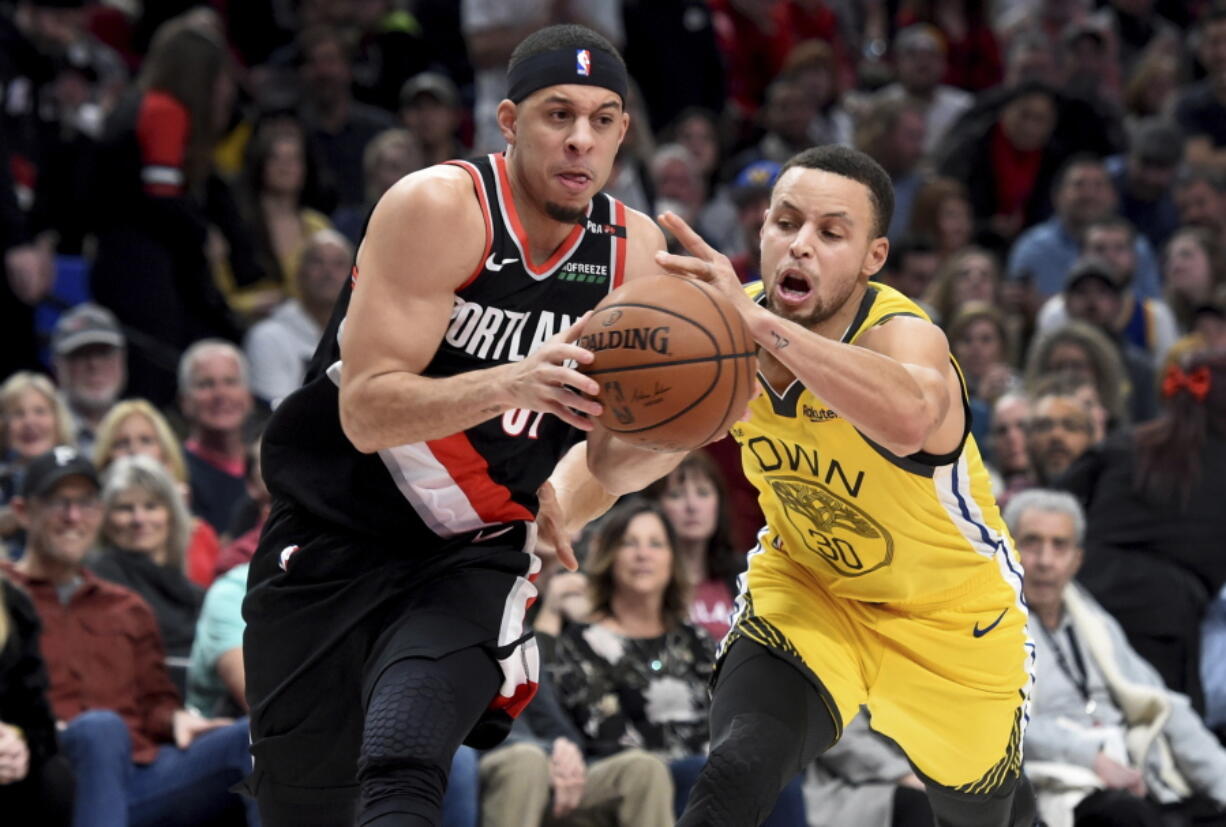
<point x="441" y="414"/>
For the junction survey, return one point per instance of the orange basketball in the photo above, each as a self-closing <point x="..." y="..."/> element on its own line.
<point x="674" y="361"/>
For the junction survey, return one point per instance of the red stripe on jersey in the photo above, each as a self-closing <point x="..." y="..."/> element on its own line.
<point x="568" y="245"/>
<point x="479" y="186"/>
<point x="163" y="128"/>
<point x="515" y="704"/>
<point x="619" y="273"/>
<point x="470" y="471"/>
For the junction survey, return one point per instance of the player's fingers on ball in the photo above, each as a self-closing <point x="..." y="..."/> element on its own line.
<point x="580" y="402"/>
<point x="574" y="381"/>
<point x="579" y="421"/>
<point x="561" y="351"/>
<point x="571" y="333"/>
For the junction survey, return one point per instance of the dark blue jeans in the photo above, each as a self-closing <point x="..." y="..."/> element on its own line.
<point x="180" y="785"/>
<point x="789" y="807"/>
<point x="463" y="796"/>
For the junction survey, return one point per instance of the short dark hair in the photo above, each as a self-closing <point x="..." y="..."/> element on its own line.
<point x="856" y="165"/>
<point x="1079" y="159"/>
<point x="564" y="36"/>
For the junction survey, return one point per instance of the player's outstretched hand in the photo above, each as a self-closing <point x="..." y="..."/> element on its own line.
<point x="704" y="263"/>
<point x="546" y="382"/>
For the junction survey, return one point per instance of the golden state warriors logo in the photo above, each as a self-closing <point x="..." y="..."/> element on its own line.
<point x="843" y="535"/>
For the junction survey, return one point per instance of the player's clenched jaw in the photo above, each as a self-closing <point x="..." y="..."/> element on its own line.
<point x="819" y="245"/>
<point x="562" y="142"/>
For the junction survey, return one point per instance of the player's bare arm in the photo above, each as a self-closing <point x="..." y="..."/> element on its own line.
<point x="425" y="240"/>
<point x="897" y="385"/>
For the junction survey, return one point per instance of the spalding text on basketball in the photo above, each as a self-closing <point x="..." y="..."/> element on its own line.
<point x="634" y="338"/>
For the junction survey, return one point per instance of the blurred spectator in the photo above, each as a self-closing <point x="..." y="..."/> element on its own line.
<point x="1143" y="323"/>
<point x="1194" y="268"/>
<point x="972" y="60"/>
<point x="430" y="109"/>
<point x="1090" y="69"/>
<point x="390" y="47"/>
<point x="28" y="274"/>
<point x="278" y="172"/>
<point x="138" y="756"/>
<point x="1143" y="180"/>
<point x="215" y="398"/>
<point x="942" y="212"/>
<point x="892" y="132"/>
<point x="1078" y="351"/>
<point x="694" y="498"/>
<point x="134" y="427"/>
<point x="216" y="679"/>
<point x="1043" y="255"/>
<point x="1153" y="500"/>
<point x="673" y="39"/>
<point x="151" y="268"/>
<point x="751" y="193"/>
<point x="1007" y="447"/>
<point x="1200" y="197"/>
<point x="89" y="353"/>
<point x="59" y="82"/>
<point x="797" y="22"/>
<point x="1046" y="18"/>
<point x="539" y="775"/>
<point x="1150" y="90"/>
<point x="972" y="274"/>
<point x="679" y="186"/>
<point x="636" y="675"/>
<point x="979" y="340"/>
<point x="1059" y="429"/>
<point x="254" y="510"/>
<point x="34" y="778"/>
<point x="1005" y="157"/>
<point x="1092" y="295"/>
<point x="145" y="530"/>
<point x="698" y="131"/>
<point x="864" y="779"/>
<point x="812" y="63"/>
<point x="279" y="347"/>
<point x="492" y="28"/>
<point x="33" y="420"/>
<point x="1136" y="30"/>
<point x="745" y="32"/>
<point x="1201" y="110"/>
<point x="338" y="126"/>
<point x="785" y="116"/>
<point x="393" y="154"/>
<point x="920" y="58"/>
<point x="1107" y="742"/>
<point x="911" y="267"/>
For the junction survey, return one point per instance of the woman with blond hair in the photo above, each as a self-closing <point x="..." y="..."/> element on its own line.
<point x="134" y="427"/>
<point x="145" y="529"/>
<point x="33" y="420"/>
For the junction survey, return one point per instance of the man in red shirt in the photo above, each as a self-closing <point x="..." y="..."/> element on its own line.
<point x="139" y="757"/>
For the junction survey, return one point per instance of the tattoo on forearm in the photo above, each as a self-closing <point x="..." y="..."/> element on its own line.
<point x="780" y="341"/>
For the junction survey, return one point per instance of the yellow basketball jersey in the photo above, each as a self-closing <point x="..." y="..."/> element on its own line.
<point x="866" y="524"/>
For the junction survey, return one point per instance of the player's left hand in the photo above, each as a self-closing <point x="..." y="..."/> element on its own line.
<point x="704" y="263"/>
<point x="551" y="534"/>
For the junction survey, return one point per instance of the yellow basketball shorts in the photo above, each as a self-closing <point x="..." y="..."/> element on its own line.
<point x="950" y="683"/>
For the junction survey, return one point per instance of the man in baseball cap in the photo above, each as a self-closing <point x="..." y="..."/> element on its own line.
<point x="89" y="352"/>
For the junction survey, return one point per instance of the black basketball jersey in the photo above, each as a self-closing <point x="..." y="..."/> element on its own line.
<point x="489" y="474"/>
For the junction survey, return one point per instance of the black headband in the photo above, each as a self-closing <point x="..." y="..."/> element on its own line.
<point x="589" y="67"/>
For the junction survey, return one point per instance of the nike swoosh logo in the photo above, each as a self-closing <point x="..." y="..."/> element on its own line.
<point x="490" y="264"/>
<point x="481" y="536"/>
<point x="977" y="632"/>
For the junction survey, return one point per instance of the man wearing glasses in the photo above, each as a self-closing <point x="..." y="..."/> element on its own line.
<point x="138" y="756"/>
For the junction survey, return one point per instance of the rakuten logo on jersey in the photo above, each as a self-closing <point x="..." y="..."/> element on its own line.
<point x="501" y="335"/>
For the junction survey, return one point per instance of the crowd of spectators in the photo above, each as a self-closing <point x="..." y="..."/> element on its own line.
<point x="182" y="188"/>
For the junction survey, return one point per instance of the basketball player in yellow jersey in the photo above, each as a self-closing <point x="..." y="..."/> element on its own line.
<point x="885" y="575"/>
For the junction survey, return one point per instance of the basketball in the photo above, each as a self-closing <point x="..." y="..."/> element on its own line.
<point x="674" y="361"/>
